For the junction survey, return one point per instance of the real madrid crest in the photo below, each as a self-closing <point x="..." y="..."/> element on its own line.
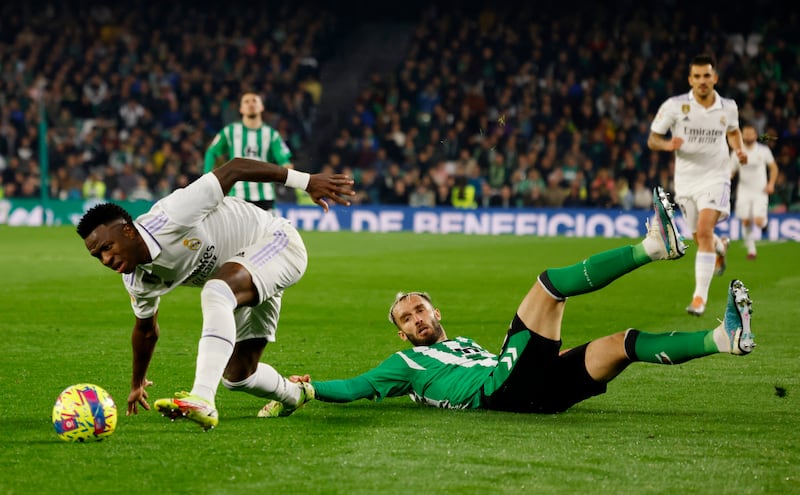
<point x="685" y="109"/>
<point x="723" y="121"/>
<point x="193" y="244"/>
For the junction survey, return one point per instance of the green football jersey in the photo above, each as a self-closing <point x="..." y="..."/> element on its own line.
<point x="449" y="374"/>
<point x="237" y="140"/>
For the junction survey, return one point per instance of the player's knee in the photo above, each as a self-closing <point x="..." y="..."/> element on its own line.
<point x="705" y="238"/>
<point x="218" y="295"/>
<point x="549" y="288"/>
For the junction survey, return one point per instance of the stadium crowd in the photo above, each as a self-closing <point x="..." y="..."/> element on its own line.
<point x="133" y="96"/>
<point x="526" y="109"/>
<point x="489" y="108"/>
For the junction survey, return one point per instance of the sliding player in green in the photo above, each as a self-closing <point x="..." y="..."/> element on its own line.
<point x="530" y="374"/>
<point x="250" y="138"/>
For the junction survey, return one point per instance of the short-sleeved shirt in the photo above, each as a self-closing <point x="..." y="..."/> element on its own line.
<point x="753" y="175"/>
<point x="190" y="233"/>
<point x="703" y="158"/>
<point x="263" y="143"/>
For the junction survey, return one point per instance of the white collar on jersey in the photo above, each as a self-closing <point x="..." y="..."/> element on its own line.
<point x="152" y="246"/>
<point x="717" y="100"/>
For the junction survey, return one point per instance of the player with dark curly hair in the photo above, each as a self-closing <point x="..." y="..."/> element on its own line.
<point x="243" y="257"/>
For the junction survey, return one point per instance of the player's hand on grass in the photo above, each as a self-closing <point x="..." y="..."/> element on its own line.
<point x="333" y="187"/>
<point x="300" y="378"/>
<point x="138" y="397"/>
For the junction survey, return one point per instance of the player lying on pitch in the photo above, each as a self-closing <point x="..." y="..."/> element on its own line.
<point x="530" y="374"/>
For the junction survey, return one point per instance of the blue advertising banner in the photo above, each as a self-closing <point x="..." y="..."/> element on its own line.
<point x="496" y="221"/>
<point x="492" y="221"/>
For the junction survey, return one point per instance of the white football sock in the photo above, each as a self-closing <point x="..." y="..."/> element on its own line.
<point x="703" y="272"/>
<point x="268" y="384"/>
<point x="218" y="339"/>
<point x="747" y="237"/>
<point x="719" y="246"/>
<point x="653" y="247"/>
<point x="721" y="339"/>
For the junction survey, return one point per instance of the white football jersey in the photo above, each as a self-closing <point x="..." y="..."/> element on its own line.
<point x="190" y="233"/>
<point x="753" y="176"/>
<point x="703" y="156"/>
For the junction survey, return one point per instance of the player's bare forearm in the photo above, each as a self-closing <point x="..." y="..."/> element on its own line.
<point x="658" y="142"/>
<point x="335" y="187"/>
<point x="250" y="170"/>
<point x="736" y="144"/>
<point x="143" y="341"/>
<point x="772" y="176"/>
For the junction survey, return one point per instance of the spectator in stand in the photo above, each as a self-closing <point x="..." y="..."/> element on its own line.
<point x="521" y="100"/>
<point x="133" y="85"/>
<point x="423" y="194"/>
<point x="574" y="197"/>
<point x="94" y="187"/>
<point x="603" y="190"/>
<point x="554" y="194"/>
<point x="642" y="193"/>
<point x="462" y="194"/>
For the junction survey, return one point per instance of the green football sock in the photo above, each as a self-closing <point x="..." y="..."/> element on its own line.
<point x="595" y="272"/>
<point x="669" y="348"/>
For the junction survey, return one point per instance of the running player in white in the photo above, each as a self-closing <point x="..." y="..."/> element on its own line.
<point x="756" y="182"/>
<point x="243" y="258"/>
<point x="703" y="125"/>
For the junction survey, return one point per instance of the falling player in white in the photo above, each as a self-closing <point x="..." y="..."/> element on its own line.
<point x="756" y="182"/>
<point x="243" y="258"/>
<point x="703" y="124"/>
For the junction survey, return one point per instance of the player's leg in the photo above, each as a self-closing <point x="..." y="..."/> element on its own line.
<point x="705" y="260"/>
<point x="277" y="261"/>
<point x="744" y="212"/>
<point x="542" y="308"/>
<point x="748" y="237"/>
<point x="760" y="207"/>
<point x="713" y="206"/>
<point x="721" y="251"/>
<point x="608" y="356"/>
<point x="245" y="373"/>
<point x="275" y="265"/>
<point x="231" y="286"/>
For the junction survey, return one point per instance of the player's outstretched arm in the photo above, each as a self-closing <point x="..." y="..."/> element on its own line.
<point x="320" y="187"/>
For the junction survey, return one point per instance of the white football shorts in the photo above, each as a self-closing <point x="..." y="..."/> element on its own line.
<point x="277" y="261"/>
<point x="712" y="197"/>
<point x="752" y="206"/>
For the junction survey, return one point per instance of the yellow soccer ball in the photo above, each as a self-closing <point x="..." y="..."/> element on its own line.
<point x="84" y="412"/>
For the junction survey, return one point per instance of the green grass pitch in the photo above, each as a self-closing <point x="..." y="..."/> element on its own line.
<point x="714" y="425"/>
